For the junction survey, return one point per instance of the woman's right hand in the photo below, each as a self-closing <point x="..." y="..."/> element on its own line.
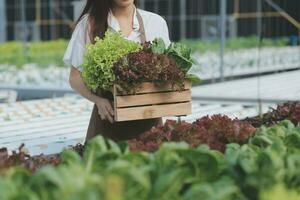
<point x="105" y="109"/>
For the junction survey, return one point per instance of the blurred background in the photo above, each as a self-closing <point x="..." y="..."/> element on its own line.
<point x="247" y="53"/>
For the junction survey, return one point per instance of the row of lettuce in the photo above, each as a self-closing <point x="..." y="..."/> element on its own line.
<point x="215" y="131"/>
<point x="265" y="166"/>
<point x="51" y="52"/>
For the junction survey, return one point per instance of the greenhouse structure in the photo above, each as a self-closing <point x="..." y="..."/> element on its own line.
<point x="193" y="99"/>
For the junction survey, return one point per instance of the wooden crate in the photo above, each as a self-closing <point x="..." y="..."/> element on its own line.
<point x="151" y="101"/>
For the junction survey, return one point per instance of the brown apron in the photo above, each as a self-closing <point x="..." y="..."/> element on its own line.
<point x="119" y="130"/>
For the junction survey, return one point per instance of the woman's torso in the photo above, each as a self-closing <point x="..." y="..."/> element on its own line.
<point x="152" y="26"/>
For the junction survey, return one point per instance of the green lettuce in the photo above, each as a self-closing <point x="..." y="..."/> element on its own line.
<point x="97" y="67"/>
<point x="180" y="53"/>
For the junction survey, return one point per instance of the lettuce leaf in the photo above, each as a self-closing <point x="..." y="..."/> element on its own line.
<point x="158" y="46"/>
<point x="100" y="57"/>
<point x="182" y="55"/>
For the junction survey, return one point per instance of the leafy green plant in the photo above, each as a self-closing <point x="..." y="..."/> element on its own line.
<point x="47" y="53"/>
<point x="223" y="189"/>
<point x="41" y="53"/>
<point x="136" y="68"/>
<point x="156" y="64"/>
<point x="158" y="46"/>
<point x="264" y="167"/>
<point x="107" y="171"/>
<point x="279" y="192"/>
<point x="235" y="43"/>
<point x="180" y="53"/>
<point x="12" y="54"/>
<point x="97" y="67"/>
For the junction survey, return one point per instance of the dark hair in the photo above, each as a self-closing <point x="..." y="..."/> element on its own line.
<point x="98" y="12"/>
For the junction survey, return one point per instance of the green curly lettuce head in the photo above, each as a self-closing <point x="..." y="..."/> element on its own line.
<point x="98" y="62"/>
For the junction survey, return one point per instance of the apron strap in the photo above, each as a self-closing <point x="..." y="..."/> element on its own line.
<point x="142" y="27"/>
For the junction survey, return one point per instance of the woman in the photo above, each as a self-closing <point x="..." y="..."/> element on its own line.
<point x="134" y="24"/>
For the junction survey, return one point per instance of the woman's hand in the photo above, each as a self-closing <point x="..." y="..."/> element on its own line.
<point x="105" y="109"/>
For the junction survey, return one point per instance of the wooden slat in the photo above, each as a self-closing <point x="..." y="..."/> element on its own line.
<point x="153" y="98"/>
<point x="115" y="102"/>
<point x="150" y="88"/>
<point x="148" y="112"/>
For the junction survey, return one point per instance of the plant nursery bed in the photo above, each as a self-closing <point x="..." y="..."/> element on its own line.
<point x="152" y="101"/>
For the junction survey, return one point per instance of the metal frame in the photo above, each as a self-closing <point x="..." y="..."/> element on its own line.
<point x="2" y="21"/>
<point x="60" y="18"/>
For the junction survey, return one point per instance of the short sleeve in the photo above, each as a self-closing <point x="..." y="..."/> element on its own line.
<point x="165" y="32"/>
<point x="76" y="49"/>
<point x="155" y="26"/>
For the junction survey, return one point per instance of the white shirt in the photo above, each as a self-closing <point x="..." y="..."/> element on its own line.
<point x="155" y="27"/>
